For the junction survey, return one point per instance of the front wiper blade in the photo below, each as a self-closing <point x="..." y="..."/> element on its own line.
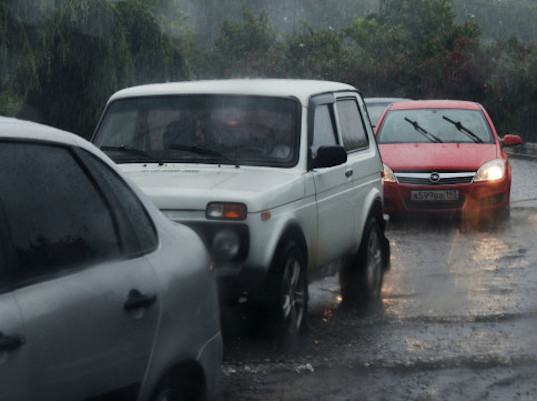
<point x="200" y="150"/>
<point x="131" y="150"/>
<point x="423" y="131"/>
<point x="464" y="130"/>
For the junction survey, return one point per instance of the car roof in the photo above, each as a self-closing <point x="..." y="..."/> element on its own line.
<point x="369" y="100"/>
<point x="300" y="88"/>
<point x="435" y="104"/>
<point x="23" y="129"/>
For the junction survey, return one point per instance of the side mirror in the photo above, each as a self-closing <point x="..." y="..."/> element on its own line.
<point x="511" y="140"/>
<point x="329" y="156"/>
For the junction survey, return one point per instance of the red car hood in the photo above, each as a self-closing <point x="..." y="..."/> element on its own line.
<point x="437" y="157"/>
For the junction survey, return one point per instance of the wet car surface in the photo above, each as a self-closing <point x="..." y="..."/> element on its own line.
<point x="100" y="294"/>
<point x="444" y="156"/>
<point x="456" y="321"/>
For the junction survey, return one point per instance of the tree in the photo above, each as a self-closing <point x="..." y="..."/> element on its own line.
<point x="314" y="54"/>
<point x="18" y="70"/>
<point x="83" y="51"/>
<point x="413" y="48"/>
<point x="512" y="97"/>
<point x="83" y="58"/>
<point x="245" y="48"/>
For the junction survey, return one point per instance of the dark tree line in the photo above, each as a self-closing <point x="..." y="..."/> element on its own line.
<point x="60" y="60"/>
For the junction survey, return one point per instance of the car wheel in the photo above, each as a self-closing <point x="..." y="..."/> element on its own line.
<point x="287" y="293"/>
<point x="169" y="395"/>
<point x="178" y="390"/>
<point x="361" y="278"/>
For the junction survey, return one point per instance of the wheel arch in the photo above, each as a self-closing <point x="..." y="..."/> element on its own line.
<point x="188" y="375"/>
<point x="295" y="233"/>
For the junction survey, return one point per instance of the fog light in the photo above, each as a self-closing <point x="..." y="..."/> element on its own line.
<point x="225" y="246"/>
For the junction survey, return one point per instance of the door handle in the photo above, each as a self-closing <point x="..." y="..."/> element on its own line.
<point x="348" y="172"/>
<point x="12" y="342"/>
<point x="137" y="300"/>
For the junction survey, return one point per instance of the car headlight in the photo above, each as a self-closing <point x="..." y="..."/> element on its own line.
<point x="387" y="174"/>
<point x="491" y="171"/>
<point x="225" y="211"/>
<point x="225" y="245"/>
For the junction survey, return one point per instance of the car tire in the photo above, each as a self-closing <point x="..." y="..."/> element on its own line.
<point x="177" y="389"/>
<point x="287" y="293"/>
<point x="361" y="278"/>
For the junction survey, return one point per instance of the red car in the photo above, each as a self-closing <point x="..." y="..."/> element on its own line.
<point x="443" y="156"/>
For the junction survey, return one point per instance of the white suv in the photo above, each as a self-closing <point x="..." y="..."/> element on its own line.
<point x="281" y="178"/>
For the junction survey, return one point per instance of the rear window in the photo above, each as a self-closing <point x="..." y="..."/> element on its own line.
<point x="434" y="125"/>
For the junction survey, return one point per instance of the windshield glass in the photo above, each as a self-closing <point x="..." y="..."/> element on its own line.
<point x="203" y="129"/>
<point x="434" y="125"/>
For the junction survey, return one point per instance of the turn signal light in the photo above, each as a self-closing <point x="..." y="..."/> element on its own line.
<point x="226" y="211"/>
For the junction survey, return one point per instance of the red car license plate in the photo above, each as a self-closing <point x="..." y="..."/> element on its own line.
<point x="435" y="196"/>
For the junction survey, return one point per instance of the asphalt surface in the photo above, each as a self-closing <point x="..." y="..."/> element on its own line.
<point x="457" y="320"/>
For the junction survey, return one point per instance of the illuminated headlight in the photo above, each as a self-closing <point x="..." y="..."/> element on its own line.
<point x="491" y="171"/>
<point x="225" y="245"/>
<point x="225" y="211"/>
<point x="387" y="174"/>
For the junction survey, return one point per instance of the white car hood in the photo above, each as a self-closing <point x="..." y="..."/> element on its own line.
<point x="193" y="186"/>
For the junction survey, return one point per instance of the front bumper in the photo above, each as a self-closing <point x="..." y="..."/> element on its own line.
<point x="473" y="198"/>
<point x="235" y="278"/>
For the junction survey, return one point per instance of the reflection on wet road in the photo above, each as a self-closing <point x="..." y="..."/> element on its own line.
<point x="457" y="321"/>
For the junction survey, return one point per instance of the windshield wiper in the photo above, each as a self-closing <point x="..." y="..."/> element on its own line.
<point x="423" y="131"/>
<point x="200" y="150"/>
<point x="134" y="151"/>
<point x="464" y="130"/>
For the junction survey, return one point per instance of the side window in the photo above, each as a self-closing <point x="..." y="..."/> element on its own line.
<point x="351" y="124"/>
<point x="324" y="133"/>
<point x="56" y="217"/>
<point x="131" y="210"/>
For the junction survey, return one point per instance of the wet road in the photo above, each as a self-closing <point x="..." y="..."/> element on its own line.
<point x="457" y="321"/>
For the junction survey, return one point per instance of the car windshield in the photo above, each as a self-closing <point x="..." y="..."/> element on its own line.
<point x="201" y="129"/>
<point x="434" y="125"/>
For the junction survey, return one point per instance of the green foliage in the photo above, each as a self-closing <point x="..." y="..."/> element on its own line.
<point x="420" y="20"/>
<point x="253" y="35"/>
<point x="84" y="58"/>
<point x="154" y="55"/>
<point x="244" y="49"/>
<point x="512" y="98"/>
<point x="60" y="60"/>
<point x="78" y="53"/>
<point x="314" y="54"/>
<point x="17" y="62"/>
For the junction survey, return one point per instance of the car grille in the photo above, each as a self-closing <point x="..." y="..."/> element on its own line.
<point x="434" y="178"/>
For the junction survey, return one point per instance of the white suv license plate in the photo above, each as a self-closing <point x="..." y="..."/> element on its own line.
<point x="435" y="196"/>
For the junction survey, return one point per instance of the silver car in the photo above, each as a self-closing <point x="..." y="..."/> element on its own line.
<point x="100" y="294"/>
<point x="377" y="105"/>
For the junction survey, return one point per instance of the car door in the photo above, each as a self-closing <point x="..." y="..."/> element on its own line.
<point x="333" y="185"/>
<point x="362" y="154"/>
<point x="13" y="358"/>
<point x="89" y="304"/>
